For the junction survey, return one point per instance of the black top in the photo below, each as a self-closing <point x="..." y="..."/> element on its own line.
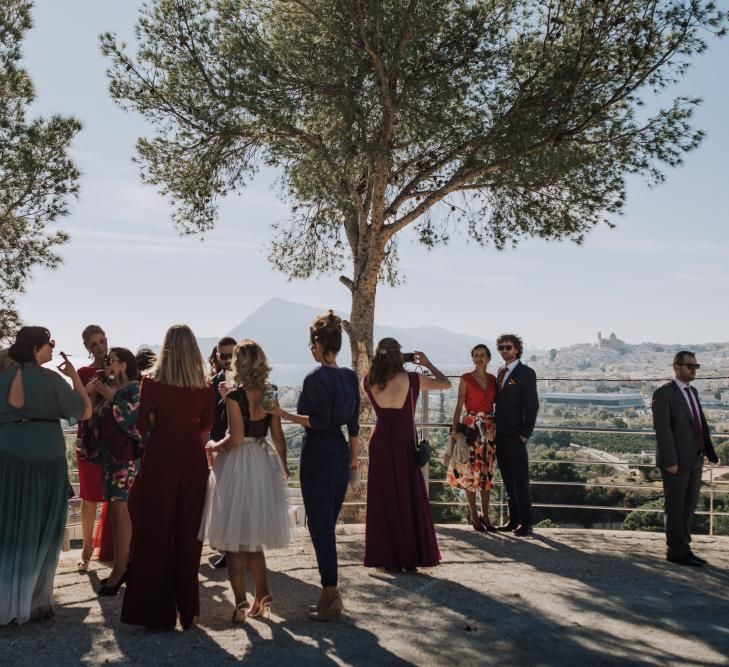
<point x="251" y="429"/>
<point x="220" y="421"/>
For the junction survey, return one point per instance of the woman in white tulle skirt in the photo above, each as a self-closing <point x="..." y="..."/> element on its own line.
<point x="246" y="509"/>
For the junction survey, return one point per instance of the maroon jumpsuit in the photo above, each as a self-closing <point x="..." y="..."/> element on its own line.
<point x="166" y="505"/>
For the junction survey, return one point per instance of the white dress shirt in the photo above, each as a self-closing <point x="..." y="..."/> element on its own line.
<point x="688" y="396"/>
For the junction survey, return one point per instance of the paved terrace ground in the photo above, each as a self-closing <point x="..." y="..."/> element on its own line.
<point x="567" y="597"/>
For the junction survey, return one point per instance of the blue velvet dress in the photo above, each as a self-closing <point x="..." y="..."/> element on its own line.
<point x="330" y="397"/>
<point x="33" y="491"/>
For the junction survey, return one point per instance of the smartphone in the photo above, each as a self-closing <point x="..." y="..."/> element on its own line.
<point x="408" y="357"/>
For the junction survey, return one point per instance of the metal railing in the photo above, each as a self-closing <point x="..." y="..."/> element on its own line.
<point x="712" y="487"/>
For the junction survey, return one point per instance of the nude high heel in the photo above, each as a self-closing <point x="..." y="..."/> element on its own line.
<point x="264" y="608"/>
<point x="239" y="614"/>
<point x="331" y="613"/>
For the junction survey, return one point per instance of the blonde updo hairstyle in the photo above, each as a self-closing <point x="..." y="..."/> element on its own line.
<point x="327" y="331"/>
<point x="250" y="364"/>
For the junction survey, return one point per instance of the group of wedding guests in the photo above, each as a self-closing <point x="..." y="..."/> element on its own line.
<point x="183" y="455"/>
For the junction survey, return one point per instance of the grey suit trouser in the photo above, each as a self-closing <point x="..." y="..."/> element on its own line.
<point x="681" y="493"/>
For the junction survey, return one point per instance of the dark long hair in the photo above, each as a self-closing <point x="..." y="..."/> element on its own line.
<point x="127" y="357"/>
<point x="27" y="341"/>
<point x="386" y="363"/>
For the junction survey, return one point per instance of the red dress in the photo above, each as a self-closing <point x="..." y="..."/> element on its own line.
<point x="90" y="482"/>
<point x="166" y="504"/>
<point x="478" y="472"/>
<point x="399" y="531"/>
<point x="89" y="474"/>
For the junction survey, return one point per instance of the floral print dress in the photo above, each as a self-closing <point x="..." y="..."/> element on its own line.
<point x="477" y="473"/>
<point x="114" y="425"/>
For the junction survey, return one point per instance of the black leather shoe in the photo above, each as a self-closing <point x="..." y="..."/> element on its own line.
<point x="684" y="560"/>
<point x="523" y="531"/>
<point x="703" y="561"/>
<point x="107" y="590"/>
<point x="507" y="526"/>
<point x="221" y="563"/>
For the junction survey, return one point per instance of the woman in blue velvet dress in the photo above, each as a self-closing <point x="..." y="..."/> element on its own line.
<point x="329" y="400"/>
<point x="33" y="488"/>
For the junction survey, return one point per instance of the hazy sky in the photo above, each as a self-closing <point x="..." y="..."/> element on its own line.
<point x="661" y="275"/>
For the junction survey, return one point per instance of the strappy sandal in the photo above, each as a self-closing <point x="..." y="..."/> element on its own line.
<point x="239" y="614"/>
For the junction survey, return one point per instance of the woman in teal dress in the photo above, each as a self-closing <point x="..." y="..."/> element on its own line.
<point x="33" y="491"/>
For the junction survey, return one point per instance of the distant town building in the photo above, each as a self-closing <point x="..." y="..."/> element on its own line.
<point x="617" y="402"/>
<point x="611" y="342"/>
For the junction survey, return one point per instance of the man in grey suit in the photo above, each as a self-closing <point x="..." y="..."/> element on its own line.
<point x="682" y="437"/>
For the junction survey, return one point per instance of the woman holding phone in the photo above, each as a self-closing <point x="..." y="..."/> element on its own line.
<point x="33" y="483"/>
<point x="399" y="532"/>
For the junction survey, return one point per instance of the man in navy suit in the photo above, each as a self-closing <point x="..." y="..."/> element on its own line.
<point x="682" y="440"/>
<point x="517" y="405"/>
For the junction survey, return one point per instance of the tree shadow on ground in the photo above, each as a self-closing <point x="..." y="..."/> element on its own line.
<point x="290" y="634"/>
<point x="639" y="589"/>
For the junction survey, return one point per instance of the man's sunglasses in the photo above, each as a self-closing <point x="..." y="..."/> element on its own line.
<point x="108" y="360"/>
<point x="225" y="355"/>
<point x="507" y="347"/>
<point x="696" y="366"/>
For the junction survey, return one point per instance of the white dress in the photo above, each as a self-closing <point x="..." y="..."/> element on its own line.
<point x="246" y="508"/>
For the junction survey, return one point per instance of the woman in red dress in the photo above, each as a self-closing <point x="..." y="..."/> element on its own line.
<point x="89" y="474"/>
<point x="477" y="393"/>
<point x="399" y="532"/>
<point x="166" y="502"/>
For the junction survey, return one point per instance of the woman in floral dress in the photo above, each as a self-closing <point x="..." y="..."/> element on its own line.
<point x="476" y="393"/>
<point x="114" y="428"/>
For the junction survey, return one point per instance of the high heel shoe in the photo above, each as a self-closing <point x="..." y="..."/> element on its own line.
<point x="331" y="613"/>
<point x="477" y="524"/>
<point x="264" y="608"/>
<point x="83" y="564"/>
<point x="487" y="524"/>
<point x="239" y="614"/>
<point x="109" y="591"/>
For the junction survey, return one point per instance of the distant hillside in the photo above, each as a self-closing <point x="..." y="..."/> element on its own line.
<point x="282" y="327"/>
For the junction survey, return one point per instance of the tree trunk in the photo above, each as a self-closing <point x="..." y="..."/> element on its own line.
<point x="361" y="324"/>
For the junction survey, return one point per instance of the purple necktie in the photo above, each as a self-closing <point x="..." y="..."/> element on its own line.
<point x="697" y="420"/>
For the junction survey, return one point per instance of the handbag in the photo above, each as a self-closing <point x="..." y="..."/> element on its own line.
<point x="422" y="447"/>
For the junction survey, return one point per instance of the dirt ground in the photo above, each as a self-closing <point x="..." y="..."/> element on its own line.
<point x="563" y="597"/>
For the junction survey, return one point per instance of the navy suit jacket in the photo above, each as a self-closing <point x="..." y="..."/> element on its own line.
<point x="517" y="403"/>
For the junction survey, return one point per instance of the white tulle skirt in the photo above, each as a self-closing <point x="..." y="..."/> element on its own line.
<point x="246" y="507"/>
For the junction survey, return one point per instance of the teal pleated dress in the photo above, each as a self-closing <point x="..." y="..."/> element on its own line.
<point x="33" y="491"/>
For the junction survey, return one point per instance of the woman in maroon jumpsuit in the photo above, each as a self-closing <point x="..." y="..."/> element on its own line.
<point x="166" y="502"/>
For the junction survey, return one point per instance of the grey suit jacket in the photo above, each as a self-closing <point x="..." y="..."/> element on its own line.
<point x="675" y="430"/>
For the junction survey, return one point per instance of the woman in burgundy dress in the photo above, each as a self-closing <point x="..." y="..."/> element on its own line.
<point x="399" y="533"/>
<point x="89" y="473"/>
<point x="166" y="501"/>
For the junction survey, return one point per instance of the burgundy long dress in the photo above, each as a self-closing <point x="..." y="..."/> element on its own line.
<point x="399" y="530"/>
<point x="166" y="505"/>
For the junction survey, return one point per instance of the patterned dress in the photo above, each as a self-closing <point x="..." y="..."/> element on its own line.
<point x="114" y="426"/>
<point x="477" y="473"/>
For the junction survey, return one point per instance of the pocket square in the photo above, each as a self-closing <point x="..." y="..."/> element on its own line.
<point x="511" y="381"/>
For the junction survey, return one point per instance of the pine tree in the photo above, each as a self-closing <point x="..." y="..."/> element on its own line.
<point x="37" y="176"/>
